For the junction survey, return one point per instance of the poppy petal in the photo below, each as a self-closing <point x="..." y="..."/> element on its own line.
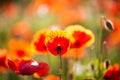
<point x="80" y="36"/>
<point x="11" y="65"/>
<point x="43" y="69"/>
<point x="28" y="67"/>
<point x="113" y="73"/>
<point x="39" y="41"/>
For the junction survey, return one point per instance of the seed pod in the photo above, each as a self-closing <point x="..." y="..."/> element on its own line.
<point x="109" y="25"/>
<point x="107" y="63"/>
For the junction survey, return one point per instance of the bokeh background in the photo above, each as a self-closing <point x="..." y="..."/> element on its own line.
<point x="26" y="17"/>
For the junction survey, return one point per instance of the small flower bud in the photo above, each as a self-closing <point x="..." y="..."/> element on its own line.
<point x="92" y="67"/>
<point x="107" y="24"/>
<point x="106" y="64"/>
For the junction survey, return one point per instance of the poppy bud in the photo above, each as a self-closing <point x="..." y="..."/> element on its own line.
<point x="92" y="67"/>
<point x="108" y="24"/>
<point x="107" y="63"/>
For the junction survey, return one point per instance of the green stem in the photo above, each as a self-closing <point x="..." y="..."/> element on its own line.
<point x="60" y="58"/>
<point x="60" y="66"/>
<point x="100" y="52"/>
<point x="105" y="50"/>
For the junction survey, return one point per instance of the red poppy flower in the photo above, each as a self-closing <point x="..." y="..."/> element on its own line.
<point x="57" y="42"/>
<point x="44" y="68"/>
<point x="11" y="10"/>
<point x="20" y="49"/>
<point x="28" y="67"/>
<point x="3" y="55"/>
<point x="113" y="73"/>
<point x="39" y="42"/>
<point x="80" y="37"/>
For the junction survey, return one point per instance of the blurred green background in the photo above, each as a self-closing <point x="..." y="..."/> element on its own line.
<point x="41" y="14"/>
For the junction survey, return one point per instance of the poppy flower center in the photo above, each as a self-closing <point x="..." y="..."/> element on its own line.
<point x="59" y="49"/>
<point x="107" y="78"/>
<point x="77" y="44"/>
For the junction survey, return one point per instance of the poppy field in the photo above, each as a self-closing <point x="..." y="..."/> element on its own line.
<point x="59" y="40"/>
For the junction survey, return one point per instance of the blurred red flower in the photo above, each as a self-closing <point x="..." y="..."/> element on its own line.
<point x="111" y="7"/>
<point x="113" y="73"/>
<point x="57" y="41"/>
<point x="28" y="66"/>
<point x="38" y="42"/>
<point x="3" y="56"/>
<point x="10" y="10"/>
<point x="19" y="48"/>
<point x="79" y="36"/>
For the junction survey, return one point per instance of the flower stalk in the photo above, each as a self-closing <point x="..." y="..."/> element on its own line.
<point x="60" y="59"/>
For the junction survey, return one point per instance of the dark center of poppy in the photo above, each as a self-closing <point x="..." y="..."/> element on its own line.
<point x="59" y="49"/>
<point x="107" y="78"/>
<point x="77" y="44"/>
